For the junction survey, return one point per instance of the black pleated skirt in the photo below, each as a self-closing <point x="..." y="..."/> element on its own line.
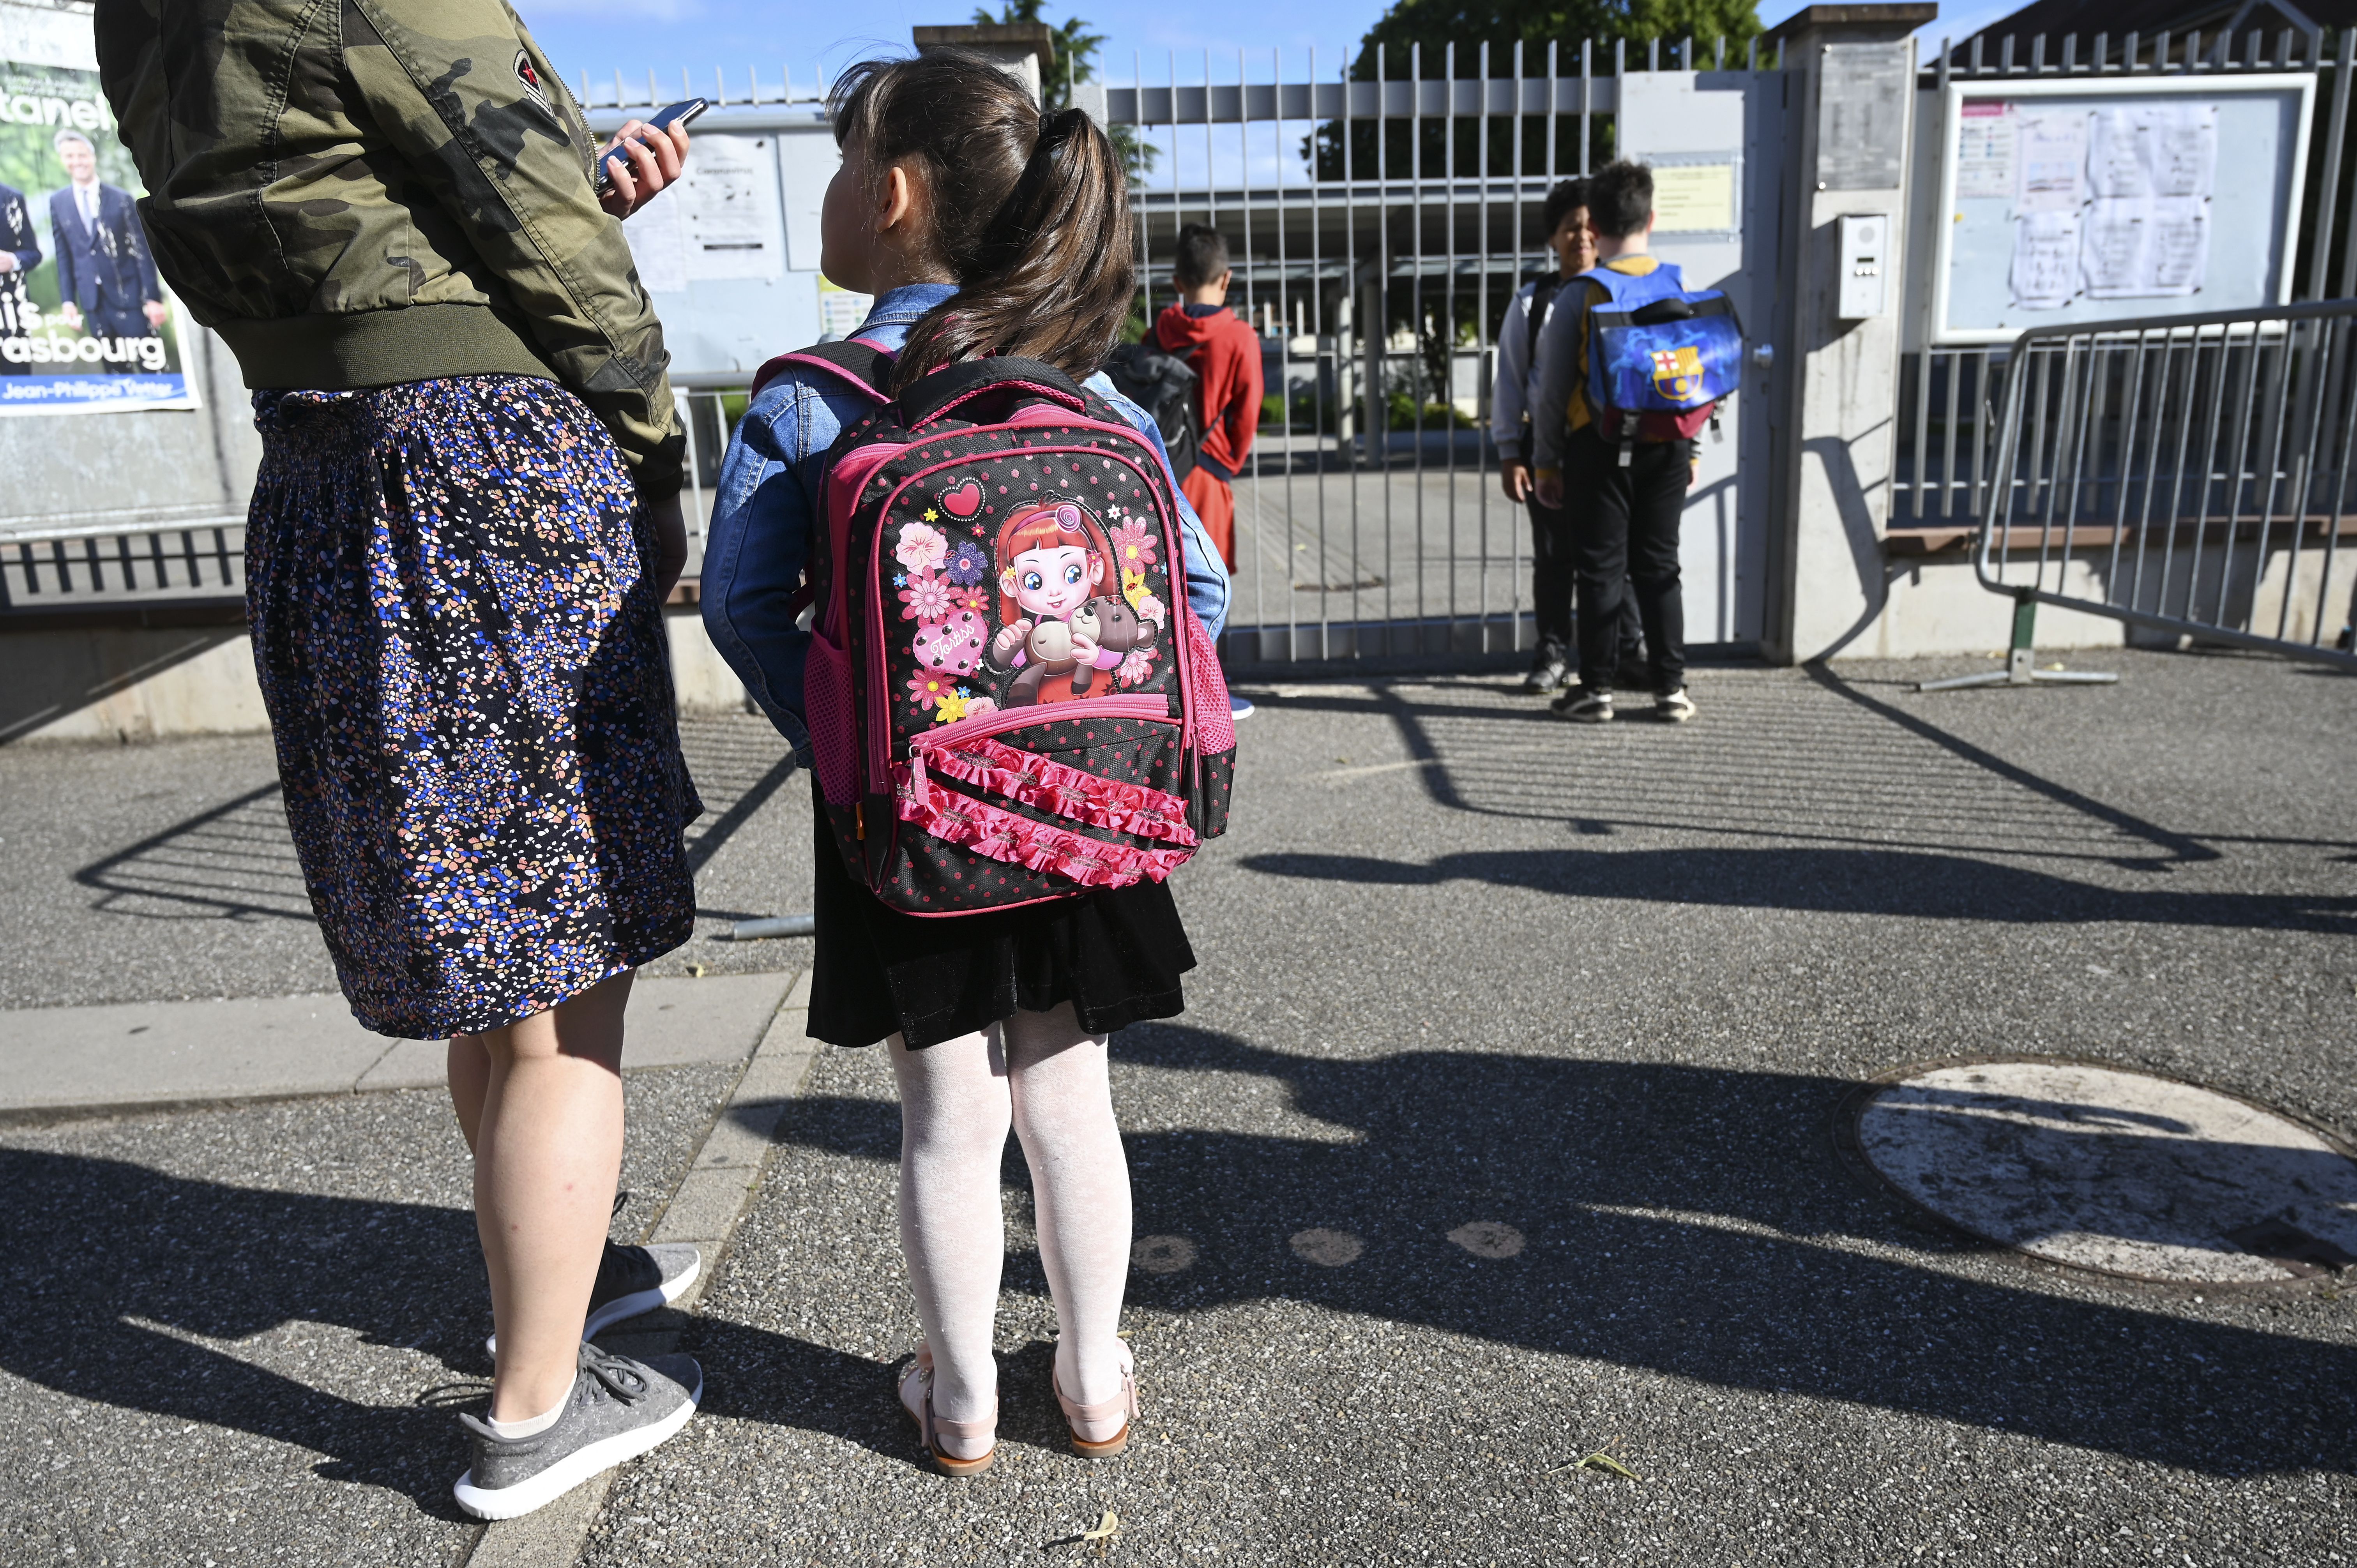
<point x="1117" y="956"/>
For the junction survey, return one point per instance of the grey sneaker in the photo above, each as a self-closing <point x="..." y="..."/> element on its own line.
<point x="619" y="1408"/>
<point x="631" y="1280"/>
<point x="1675" y="707"/>
<point x="1582" y="705"/>
<point x="1549" y="674"/>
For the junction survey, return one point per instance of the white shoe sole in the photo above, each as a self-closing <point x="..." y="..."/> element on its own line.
<point x="622" y="1307"/>
<point x="514" y="1502"/>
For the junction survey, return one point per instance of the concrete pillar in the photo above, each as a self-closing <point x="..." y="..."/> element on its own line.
<point x="1850" y="71"/>
<point x="1024" y="50"/>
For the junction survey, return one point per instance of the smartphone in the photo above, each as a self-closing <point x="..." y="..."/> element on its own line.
<point x="683" y="112"/>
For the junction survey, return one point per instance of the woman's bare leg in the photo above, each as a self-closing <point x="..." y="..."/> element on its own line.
<point x="954" y="1113"/>
<point x="548" y="1152"/>
<point x="470" y="1080"/>
<point x="1080" y="1189"/>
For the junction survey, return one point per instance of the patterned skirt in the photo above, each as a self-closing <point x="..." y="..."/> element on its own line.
<point x="469" y="689"/>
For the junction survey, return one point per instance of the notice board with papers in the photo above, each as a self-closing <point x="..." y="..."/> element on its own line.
<point x="2070" y="201"/>
<point x="729" y="255"/>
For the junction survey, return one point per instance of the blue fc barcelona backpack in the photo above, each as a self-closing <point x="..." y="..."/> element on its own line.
<point x="1660" y="357"/>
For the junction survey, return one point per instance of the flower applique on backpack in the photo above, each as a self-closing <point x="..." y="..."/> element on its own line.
<point x="1009" y="698"/>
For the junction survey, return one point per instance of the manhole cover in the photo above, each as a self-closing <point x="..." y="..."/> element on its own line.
<point x="2122" y="1172"/>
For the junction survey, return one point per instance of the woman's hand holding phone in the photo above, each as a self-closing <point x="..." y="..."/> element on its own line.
<point x="639" y="162"/>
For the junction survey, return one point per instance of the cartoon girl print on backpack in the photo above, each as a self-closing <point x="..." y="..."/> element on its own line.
<point x="1065" y="629"/>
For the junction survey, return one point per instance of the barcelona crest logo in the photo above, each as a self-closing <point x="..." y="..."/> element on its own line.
<point x="1677" y="373"/>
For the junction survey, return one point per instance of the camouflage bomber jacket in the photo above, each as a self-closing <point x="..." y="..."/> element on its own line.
<point x="373" y="191"/>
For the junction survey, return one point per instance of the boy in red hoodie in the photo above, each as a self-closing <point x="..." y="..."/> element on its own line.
<point x="1225" y="353"/>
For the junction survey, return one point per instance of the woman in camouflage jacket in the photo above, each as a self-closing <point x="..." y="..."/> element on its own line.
<point x="464" y="523"/>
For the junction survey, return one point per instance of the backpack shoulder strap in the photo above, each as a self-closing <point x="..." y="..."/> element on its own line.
<point x="938" y="393"/>
<point x="863" y="364"/>
<point x="1543" y="293"/>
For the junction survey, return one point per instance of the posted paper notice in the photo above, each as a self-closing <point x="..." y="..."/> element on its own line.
<point x="735" y="229"/>
<point x="1695" y="198"/>
<point x="2117" y="166"/>
<point x="658" y="237"/>
<point x="2052" y="157"/>
<point x="2045" y="260"/>
<point x="2180" y="148"/>
<point x="1984" y="150"/>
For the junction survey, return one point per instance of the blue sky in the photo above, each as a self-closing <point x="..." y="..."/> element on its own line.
<point x="601" y="35"/>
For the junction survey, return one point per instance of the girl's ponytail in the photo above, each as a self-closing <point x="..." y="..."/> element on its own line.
<point x="1030" y="211"/>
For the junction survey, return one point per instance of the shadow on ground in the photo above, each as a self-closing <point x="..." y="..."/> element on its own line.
<point x="1564" y="1151"/>
<point x="143" y="1302"/>
<point x="1689" y="1220"/>
<point x="1834" y="881"/>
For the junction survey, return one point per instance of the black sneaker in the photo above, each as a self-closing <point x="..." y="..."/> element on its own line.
<point x="632" y="1280"/>
<point x="1549" y="674"/>
<point x="1675" y="707"/>
<point x="1582" y="706"/>
<point x="619" y="1408"/>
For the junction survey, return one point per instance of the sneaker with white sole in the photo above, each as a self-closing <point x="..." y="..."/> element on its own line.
<point x="1582" y="706"/>
<point x="632" y="1280"/>
<point x="617" y="1410"/>
<point x="1549" y="674"/>
<point x="1675" y="707"/>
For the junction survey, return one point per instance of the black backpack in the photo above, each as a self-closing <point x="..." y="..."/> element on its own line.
<point x="1164" y="386"/>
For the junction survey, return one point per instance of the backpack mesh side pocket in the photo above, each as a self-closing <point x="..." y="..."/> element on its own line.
<point x="835" y="736"/>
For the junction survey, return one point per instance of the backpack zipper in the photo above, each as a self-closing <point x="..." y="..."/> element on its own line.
<point x="1141" y="706"/>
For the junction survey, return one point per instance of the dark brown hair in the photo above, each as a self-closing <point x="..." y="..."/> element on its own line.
<point x="1619" y="199"/>
<point x="1567" y="196"/>
<point x="1202" y="255"/>
<point x="1030" y="212"/>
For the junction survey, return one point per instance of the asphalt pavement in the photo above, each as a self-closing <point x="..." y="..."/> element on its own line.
<point x="1499" y="1135"/>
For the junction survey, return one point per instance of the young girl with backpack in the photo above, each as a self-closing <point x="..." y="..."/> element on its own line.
<point x="997" y="241"/>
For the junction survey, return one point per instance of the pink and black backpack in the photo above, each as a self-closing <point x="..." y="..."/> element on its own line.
<point x="1009" y="700"/>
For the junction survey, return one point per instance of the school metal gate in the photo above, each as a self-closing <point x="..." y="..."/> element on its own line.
<point x="1378" y="230"/>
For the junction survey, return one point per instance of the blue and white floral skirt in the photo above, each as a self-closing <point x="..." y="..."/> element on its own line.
<point x="459" y="643"/>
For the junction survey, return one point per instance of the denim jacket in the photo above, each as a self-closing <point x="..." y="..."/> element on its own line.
<point x="767" y="504"/>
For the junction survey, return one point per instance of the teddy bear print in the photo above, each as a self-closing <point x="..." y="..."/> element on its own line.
<point x="1049" y="654"/>
<point x="1064" y="657"/>
<point x="1117" y="628"/>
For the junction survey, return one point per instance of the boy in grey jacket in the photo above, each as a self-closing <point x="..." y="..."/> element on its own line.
<point x="1510" y="401"/>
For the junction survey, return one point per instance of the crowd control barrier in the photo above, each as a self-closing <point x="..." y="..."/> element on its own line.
<point x="2188" y="475"/>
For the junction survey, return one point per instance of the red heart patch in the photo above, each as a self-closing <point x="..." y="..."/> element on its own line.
<point x="963" y="500"/>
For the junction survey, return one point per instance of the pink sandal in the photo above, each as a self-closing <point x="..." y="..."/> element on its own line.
<point x="919" y="1378"/>
<point x="1122" y="1407"/>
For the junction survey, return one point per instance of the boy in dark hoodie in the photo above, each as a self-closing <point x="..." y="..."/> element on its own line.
<point x="1225" y="353"/>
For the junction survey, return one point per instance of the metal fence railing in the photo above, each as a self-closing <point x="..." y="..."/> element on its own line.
<point x="102" y="565"/>
<point x="2188" y="474"/>
<point x="1379" y="229"/>
<point x="96" y="567"/>
<point x="1948" y="396"/>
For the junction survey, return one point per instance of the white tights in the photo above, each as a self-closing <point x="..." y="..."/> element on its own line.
<point x="1039" y="1072"/>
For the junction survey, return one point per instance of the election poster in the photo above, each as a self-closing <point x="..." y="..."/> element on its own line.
<point x="86" y="325"/>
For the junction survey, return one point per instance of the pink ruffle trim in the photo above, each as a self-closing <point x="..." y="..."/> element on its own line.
<point x="1065" y="791"/>
<point x="1018" y="841"/>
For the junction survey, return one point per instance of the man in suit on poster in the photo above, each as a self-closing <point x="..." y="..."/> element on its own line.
<point x="106" y="279"/>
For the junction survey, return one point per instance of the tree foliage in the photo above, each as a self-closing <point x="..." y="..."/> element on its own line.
<point x="1469" y="24"/>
